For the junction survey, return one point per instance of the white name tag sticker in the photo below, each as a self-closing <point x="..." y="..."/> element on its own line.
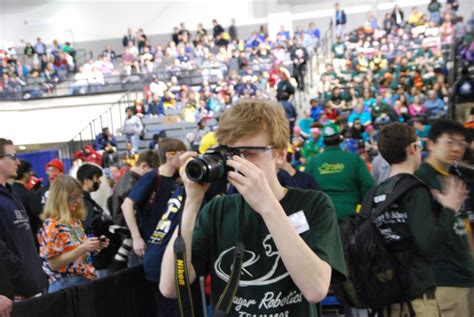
<point x="298" y="219"/>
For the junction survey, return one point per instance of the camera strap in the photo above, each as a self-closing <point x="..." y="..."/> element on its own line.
<point x="225" y="300"/>
<point x="183" y="286"/>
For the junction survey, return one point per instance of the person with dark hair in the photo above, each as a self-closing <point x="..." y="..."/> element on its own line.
<point x="397" y="16"/>
<point x="343" y="176"/>
<point x="157" y="137"/>
<point x="454" y="264"/>
<point x="17" y="247"/>
<point x="96" y="221"/>
<point x="89" y="176"/>
<point x="28" y="199"/>
<point x="132" y="128"/>
<point x="148" y="160"/>
<point x="148" y="201"/>
<point x="217" y="29"/>
<point x="340" y="19"/>
<point x="233" y="33"/>
<point x="142" y="222"/>
<point x="290" y="111"/>
<point x="413" y="217"/>
<point x="104" y="138"/>
<point x="300" y="56"/>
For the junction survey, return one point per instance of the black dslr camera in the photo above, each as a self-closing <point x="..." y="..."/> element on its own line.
<point x="210" y="166"/>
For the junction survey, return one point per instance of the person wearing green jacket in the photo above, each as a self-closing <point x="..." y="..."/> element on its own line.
<point x="454" y="264"/>
<point x="343" y="176"/>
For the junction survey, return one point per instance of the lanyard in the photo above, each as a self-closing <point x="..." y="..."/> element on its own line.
<point x="183" y="286"/>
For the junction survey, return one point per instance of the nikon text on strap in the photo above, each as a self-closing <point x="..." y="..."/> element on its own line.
<point x="183" y="286"/>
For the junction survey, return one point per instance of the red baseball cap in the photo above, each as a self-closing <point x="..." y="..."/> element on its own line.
<point x="56" y="163"/>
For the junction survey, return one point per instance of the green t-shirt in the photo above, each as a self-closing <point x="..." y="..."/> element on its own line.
<point x="413" y="217"/>
<point x="453" y="265"/>
<point x="265" y="288"/>
<point x="343" y="176"/>
<point x="339" y="50"/>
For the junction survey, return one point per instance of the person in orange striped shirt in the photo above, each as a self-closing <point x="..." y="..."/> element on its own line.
<point x="65" y="249"/>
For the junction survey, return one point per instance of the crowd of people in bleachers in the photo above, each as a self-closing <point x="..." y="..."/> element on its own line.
<point x="37" y="71"/>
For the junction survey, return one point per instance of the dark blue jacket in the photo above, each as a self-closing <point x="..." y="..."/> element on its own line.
<point x="17" y="247"/>
<point x="100" y="141"/>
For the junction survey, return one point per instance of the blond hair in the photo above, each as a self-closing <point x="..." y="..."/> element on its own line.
<point x="57" y="203"/>
<point x="250" y="116"/>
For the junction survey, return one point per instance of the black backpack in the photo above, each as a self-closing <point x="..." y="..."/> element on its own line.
<point x="376" y="278"/>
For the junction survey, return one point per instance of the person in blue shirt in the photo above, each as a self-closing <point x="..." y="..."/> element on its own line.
<point x="434" y="105"/>
<point x="157" y="137"/>
<point x="316" y="109"/>
<point x="314" y="31"/>
<point x="155" y="107"/>
<point x="360" y="113"/>
<point x="290" y="111"/>
<point x="283" y="35"/>
<point x="150" y="195"/>
<point x="103" y="138"/>
<point x="305" y="123"/>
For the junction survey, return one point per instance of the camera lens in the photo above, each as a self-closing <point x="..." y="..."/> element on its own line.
<point x="196" y="170"/>
<point x="206" y="169"/>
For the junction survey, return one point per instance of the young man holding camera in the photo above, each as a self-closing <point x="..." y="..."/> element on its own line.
<point x="453" y="265"/>
<point x="291" y="236"/>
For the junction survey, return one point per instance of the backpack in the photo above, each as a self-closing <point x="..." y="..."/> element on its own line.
<point x="376" y="278"/>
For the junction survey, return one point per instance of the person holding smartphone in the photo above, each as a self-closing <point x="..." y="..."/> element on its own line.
<point x="65" y="249"/>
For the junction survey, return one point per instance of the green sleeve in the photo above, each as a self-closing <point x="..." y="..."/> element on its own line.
<point x="366" y="180"/>
<point x="324" y="237"/>
<point x="201" y="249"/>
<point x="429" y="231"/>
<point x="310" y="167"/>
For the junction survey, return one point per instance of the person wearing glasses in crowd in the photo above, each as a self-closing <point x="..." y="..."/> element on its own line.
<point x="17" y="247"/>
<point x="65" y="249"/>
<point x="412" y="219"/>
<point x="291" y="237"/>
<point x="454" y="264"/>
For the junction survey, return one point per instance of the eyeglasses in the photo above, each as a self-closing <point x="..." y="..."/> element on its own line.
<point x="12" y="156"/>
<point x="251" y="151"/>
<point x="450" y="142"/>
<point x="74" y="197"/>
<point x="418" y="144"/>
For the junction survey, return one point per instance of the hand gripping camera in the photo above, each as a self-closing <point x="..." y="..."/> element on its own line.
<point x="211" y="165"/>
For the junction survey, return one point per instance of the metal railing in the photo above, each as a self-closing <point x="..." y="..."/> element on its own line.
<point x="80" y="56"/>
<point x="112" y="118"/>
<point x="40" y="87"/>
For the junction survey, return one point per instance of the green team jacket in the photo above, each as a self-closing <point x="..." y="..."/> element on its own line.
<point x="343" y="176"/>
<point x="453" y="264"/>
